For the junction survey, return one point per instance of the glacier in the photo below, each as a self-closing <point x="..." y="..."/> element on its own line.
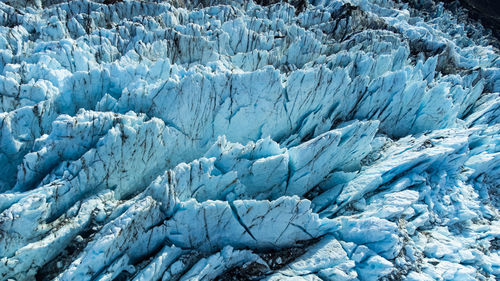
<point x="248" y="140"/>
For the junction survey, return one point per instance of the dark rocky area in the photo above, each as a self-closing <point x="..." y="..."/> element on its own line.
<point x="486" y="11"/>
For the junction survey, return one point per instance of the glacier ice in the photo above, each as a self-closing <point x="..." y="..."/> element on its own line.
<point x="248" y="140"/>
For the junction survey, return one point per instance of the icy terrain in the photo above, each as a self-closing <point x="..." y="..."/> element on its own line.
<point x="234" y="140"/>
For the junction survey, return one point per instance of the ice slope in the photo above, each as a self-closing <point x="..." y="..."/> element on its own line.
<point x="237" y="140"/>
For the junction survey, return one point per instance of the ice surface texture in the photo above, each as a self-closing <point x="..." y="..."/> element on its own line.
<point x="236" y="140"/>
